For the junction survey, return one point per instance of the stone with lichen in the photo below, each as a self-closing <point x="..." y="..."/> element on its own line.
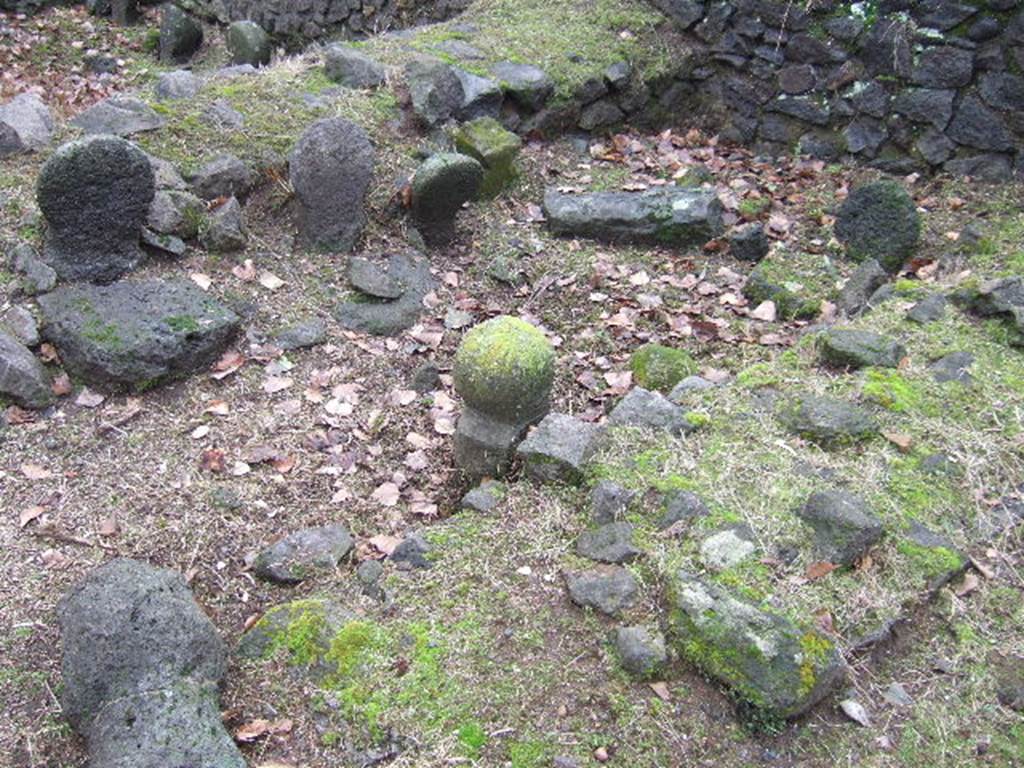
<point x="494" y="147"/>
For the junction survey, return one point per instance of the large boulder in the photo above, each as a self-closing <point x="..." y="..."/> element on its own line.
<point x="95" y="195"/>
<point x="769" y="661"/>
<point x="330" y="170"/>
<point x="440" y="187"/>
<point x="248" y="43"/>
<point x="180" y="35"/>
<point x="141" y="667"/>
<point x="665" y="215"/>
<point x="134" y="334"/>
<point x="22" y="378"/>
<point x="26" y="125"/>
<point x="879" y="221"/>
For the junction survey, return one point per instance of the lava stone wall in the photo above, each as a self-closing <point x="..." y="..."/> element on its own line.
<point x="905" y="86"/>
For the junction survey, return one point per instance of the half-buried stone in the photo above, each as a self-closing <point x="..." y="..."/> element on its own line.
<point x="135" y="334"/>
<point x="318" y="619"/>
<point x="22" y="377"/>
<point x="650" y="410"/>
<point x="494" y="148"/>
<point x="503" y="371"/>
<point x="525" y="84"/>
<point x="660" y="368"/>
<point x="843" y="524"/>
<point x="435" y="90"/>
<point x="558" y="449"/>
<point x="609" y="543"/>
<point x="641" y="651"/>
<point x="141" y="668"/>
<point x="879" y="221"/>
<point x="118" y="116"/>
<point x="770" y="662"/>
<point x="330" y="170"/>
<point x="345" y="65"/>
<point x="303" y="554"/>
<point x="726" y="549"/>
<point x="846" y="348"/>
<point x="440" y="187"/>
<point x="673" y="216"/>
<point x="95" y="195"/>
<point x="371" y="311"/>
<point x="609" y="501"/>
<point x="953" y="367"/>
<point x="998" y="298"/>
<point x="826" y="420"/>
<point x="609" y="589"/>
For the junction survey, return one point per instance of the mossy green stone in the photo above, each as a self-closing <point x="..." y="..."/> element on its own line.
<point x="494" y="147"/>
<point x="504" y="368"/>
<point x="660" y="368"/>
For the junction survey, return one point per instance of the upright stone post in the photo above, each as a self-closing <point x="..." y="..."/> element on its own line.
<point x="503" y="371"/>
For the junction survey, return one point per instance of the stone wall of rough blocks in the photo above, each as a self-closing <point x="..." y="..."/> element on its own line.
<point x="906" y="86"/>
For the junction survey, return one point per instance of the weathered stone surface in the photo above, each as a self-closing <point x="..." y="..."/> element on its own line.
<point x="610" y="589"/>
<point x="221" y="116"/>
<point x="435" y="90"/>
<point x="330" y="170"/>
<point x="844" y="526"/>
<point x="174" y="212"/>
<point x="953" y="367"/>
<point x="95" y="196"/>
<point x="682" y="391"/>
<point x="770" y="662"/>
<point x="351" y="68"/>
<point x="988" y="167"/>
<point x="1009" y="675"/>
<point x="602" y="114"/>
<point x="484" y="497"/>
<point x="26" y="125"/>
<point x="609" y="543"/>
<point x="18" y="321"/>
<point x="35" y="275"/>
<point x="303" y="554"/>
<point x="856" y="293"/>
<point x="494" y="148"/>
<point x="879" y="221"/>
<point x="136" y="333"/>
<point x="118" y="116"/>
<point x="412" y="552"/>
<point x="660" y="368"/>
<point x="975" y="125"/>
<point x="859" y="349"/>
<point x="928" y="310"/>
<point x="725" y="549"/>
<point x="650" y="410"/>
<point x="826" y="420"/>
<point x="558" y="449"/>
<point x="388" y="317"/>
<point x="926" y="105"/>
<point x="681" y="506"/>
<point x="641" y="651"/>
<point x="525" y="84"/>
<point x="368" y="276"/>
<point x="943" y="67"/>
<point x="179" y="84"/>
<point x="484" y="446"/>
<point x="1003" y="297"/>
<point x="224" y="176"/>
<point x="1002" y="90"/>
<point x="248" y="43"/>
<point x="225" y="229"/>
<point x="141" y="665"/>
<point x="749" y="243"/>
<point x="22" y="378"/>
<point x="481" y="96"/>
<point x="440" y="187"/>
<point x="302" y="334"/>
<point x="665" y="215"/>
<point x="609" y="502"/>
<point x="321" y="619"/>
<point x="180" y="34"/>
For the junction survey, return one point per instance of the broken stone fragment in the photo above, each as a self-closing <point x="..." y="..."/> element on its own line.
<point x="558" y="449"/>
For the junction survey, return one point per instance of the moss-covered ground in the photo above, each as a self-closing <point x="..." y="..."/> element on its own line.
<point x="482" y="659"/>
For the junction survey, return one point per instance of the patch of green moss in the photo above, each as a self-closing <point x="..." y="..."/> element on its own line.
<point x="472" y="737"/>
<point x="932" y="562"/>
<point x="753" y="207"/>
<point x="530" y="753"/>
<point x="660" y="368"/>
<point x="891" y="390"/>
<point x="182" y="324"/>
<point x="101" y="333"/>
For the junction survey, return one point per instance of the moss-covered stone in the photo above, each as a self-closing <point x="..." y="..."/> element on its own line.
<point x="879" y="221"/>
<point x="494" y="147"/>
<point x="504" y="368"/>
<point x="660" y="368"/>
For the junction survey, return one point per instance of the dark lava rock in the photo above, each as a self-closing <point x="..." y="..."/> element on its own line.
<point x="224" y="176"/>
<point x="330" y="170"/>
<point x="856" y="293"/>
<point x="681" y="506"/>
<point x="180" y="34"/>
<point x="609" y="502"/>
<point x="928" y="310"/>
<point x="225" y="229"/>
<point x="485" y="497"/>
<point x="481" y="96"/>
<point x="664" y="215"/>
<point x="609" y="589"/>
<point x="248" y="43"/>
<point x="301" y="335"/>
<point x="368" y="277"/>
<point x="826" y="420"/>
<point x="558" y="449"/>
<point x="525" y="84"/>
<point x="95" y="196"/>
<point x="953" y="367"/>
<point x="134" y="334"/>
<point x="844" y="526"/>
<point x="22" y="378"/>
<point x="846" y="348"/>
<point x="179" y="84"/>
<point x="440" y="187"/>
<point x="302" y="554"/>
<point x="141" y="667"/>
<point x="651" y="410"/>
<point x="174" y="212"/>
<point x="390" y="317"/>
<point x="1003" y="297"/>
<point x="975" y="125"/>
<point x="118" y="116"/>
<point x="36" y="276"/>
<point x="943" y="67"/>
<point x="879" y="221"/>
<point x="351" y="68"/>
<point x="435" y="90"/>
<point x="749" y="243"/>
<point x="610" y="543"/>
<point x="412" y="552"/>
<point x="769" y="666"/>
<point x="641" y="651"/>
<point x="26" y="125"/>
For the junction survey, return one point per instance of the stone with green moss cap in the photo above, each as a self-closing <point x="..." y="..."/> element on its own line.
<point x="879" y="221"/>
<point x="660" y="368"/>
<point x="770" y="662"/>
<point x="503" y="371"/>
<point x="494" y="147"/>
